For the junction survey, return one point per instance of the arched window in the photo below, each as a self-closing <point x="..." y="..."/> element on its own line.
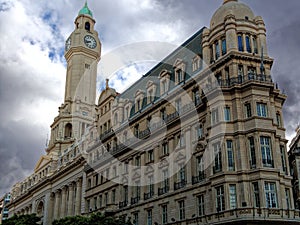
<point x="87" y="26"/>
<point x="224" y="47"/>
<point x="248" y="44"/>
<point x="68" y="130"/>
<point x="240" y="43"/>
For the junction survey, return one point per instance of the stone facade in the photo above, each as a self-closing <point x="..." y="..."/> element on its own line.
<point x="294" y="159"/>
<point x="198" y="139"/>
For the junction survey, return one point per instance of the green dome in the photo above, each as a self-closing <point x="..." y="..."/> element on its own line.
<point x="85" y="10"/>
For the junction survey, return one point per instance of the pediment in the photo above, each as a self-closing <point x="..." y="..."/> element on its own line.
<point x="180" y="156"/>
<point x="163" y="163"/>
<point x="43" y="161"/>
<point x="149" y="169"/>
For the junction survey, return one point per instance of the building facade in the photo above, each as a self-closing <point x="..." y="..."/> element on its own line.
<point x="199" y="139"/>
<point x="4" y="211"/>
<point x="294" y="159"/>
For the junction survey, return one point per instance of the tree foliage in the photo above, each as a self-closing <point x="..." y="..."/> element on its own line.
<point x="22" y="220"/>
<point x="94" y="219"/>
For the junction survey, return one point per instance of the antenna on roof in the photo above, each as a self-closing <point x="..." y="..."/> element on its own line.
<point x="47" y="140"/>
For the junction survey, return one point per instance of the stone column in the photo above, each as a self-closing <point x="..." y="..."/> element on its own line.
<point x="189" y="154"/>
<point x="63" y="203"/>
<point x="78" y="197"/>
<point x="56" y="205"/>
<point x="244" y="42"/>
<point x="70" y="200"/>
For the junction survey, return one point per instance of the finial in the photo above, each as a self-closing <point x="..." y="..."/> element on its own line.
<point x="106" y="86"/>
<point x="226" y="1"/>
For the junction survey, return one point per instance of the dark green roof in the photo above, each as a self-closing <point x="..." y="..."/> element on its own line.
<point x="185" y="52"/>
<point x="85" y="10"/>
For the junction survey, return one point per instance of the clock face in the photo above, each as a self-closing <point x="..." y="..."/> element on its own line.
<point x="90" y="41"/>
<point x="68" y="44"/>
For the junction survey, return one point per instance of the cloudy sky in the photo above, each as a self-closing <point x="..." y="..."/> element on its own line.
<point x="32" y="66"/>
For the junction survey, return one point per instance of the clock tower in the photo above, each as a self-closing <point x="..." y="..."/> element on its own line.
<point x="82" y="53"/>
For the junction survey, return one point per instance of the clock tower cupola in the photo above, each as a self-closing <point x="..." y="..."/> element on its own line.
<point x="82" y="53"/>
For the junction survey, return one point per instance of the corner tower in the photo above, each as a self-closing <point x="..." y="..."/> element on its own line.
<point x="82" y="53"/>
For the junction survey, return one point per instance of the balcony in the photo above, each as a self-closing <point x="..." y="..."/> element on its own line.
<point x="123" y="204"/>
<point x="135" y="200"/>
<point x="148" y="195"/>
<point x="199" y="178"/>
<point x="106" y="134"/>
<point x="226" y="83"/>
<point x="179" y="185"/>
<point x="163" y="190"/>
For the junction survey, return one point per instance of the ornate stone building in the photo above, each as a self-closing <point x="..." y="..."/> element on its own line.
<point x="199" y="139"/>
<point x="294" y="159"/>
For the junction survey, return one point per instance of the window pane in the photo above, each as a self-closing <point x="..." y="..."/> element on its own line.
<point x="240" y="43"/>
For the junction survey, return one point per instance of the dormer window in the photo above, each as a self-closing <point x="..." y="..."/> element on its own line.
<point x="179" y="75"/>
<point x="179" y="68"/>
<point x="196" y="64"/>
<point x="164" y="81"/>
<point x="87" y="26"/>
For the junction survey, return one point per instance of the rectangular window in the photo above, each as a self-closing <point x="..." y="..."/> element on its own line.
<point x="181" y="140"/>
<point x="252" y="152"/>
<point x="214" y="116"/>
<point x="181" y="174"/>
<point x="165" y="176"/>
<point x="125" y="193"/>
<point x="265" y="145"/>
<point x="178" y="105"/>
<point x="196" y="96"/>
<point x="136" y="218"/>
<point x="287" y="198"/>
<point x="164" y="86"/>
<point x="224" y="47"/>
<point x="283" y="159"/>
<point x="100" y="201"/>
<point x="227" y="114"/>
<point x="199" y="131"/>
<point x="232" y="196"/>
<point x="248" y="112"/>
<point x="113" y="196"/>
<point x="179" y="75"/>
<point x="149" y="217"/>
<point x="218" y="157"/>
<point x="200" y="201"/>
<point x="164" y="214"/>
<point x="271" y="196"/>
<point x="248" y="44"/>
<point x="151" y="184"/>
<point x="181" y="210"/>
<point x="200" y="166"/>
<point x="230" y="155"/>
<point x="220" y="199"/>
<point x="106" y="198"/>
<point x="138" y="161"/>
<point x="256" y="195"/>
<point x="261" y="109"/>
<point x="217" y="48"/>
<point x="278" y="119"/>
<point x="251" y="73"/>
<point x="165" y="148"/>
<point x="95" y="202"/>
<point x="240" y="43"/>
<point x="163" y="114"/>
<point x="136" y="131"/>
<point x="150" y="156"/>
<point x="255" y="45"/>
<point x="137" y="189"/>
